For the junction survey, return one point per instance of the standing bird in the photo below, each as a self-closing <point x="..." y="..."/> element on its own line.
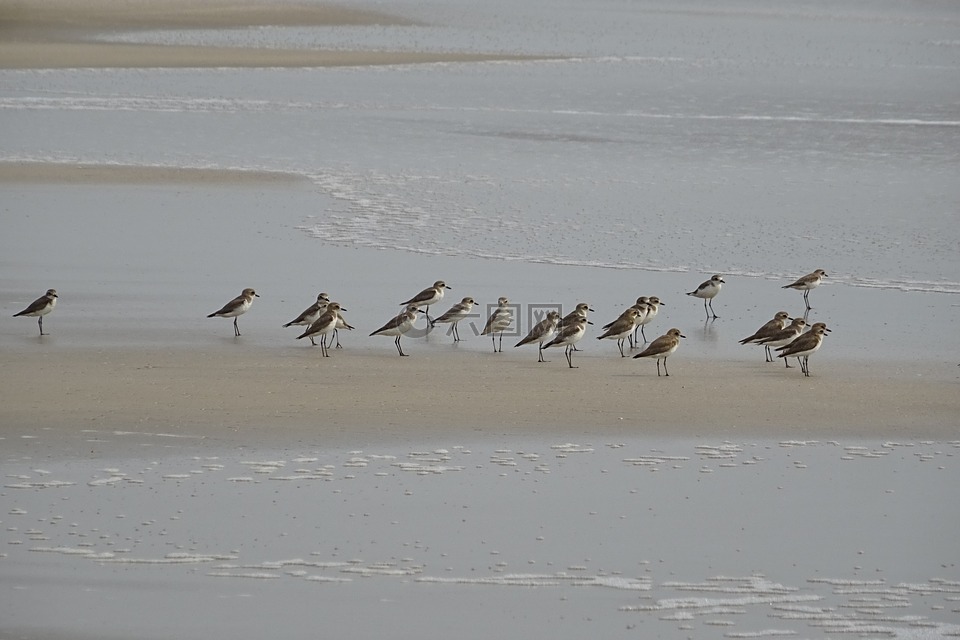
<point x="708" y="291"/>
<point x="641" y="306"/>
<point x="40" y="307"/>
<point x="580" y="311"/>
<point x="455" y="314"/>
<point x="621" y="328"/>
<point x="341" y="324"/>
<point x="767" y="330"/>
<point x="542" y="332"/>
<point x="427" y="297"/>
<point x="804" y="346"/>
<point x="399" y="325"/>
<point x="311" y="313"/>
<point x="324" y="324"/>
<point x="806" y="283"/>
<point x="661" y="348"/>
<point x="785" y="336"/>
<point x="498" y="321"/>
<point x="653" y="308"/>
<point x="236" y="308"/>
<point x="569" y="336"/>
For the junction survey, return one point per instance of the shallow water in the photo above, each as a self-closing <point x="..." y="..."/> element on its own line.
<point x="700" y="538"/>
<point x="747" y="139"/>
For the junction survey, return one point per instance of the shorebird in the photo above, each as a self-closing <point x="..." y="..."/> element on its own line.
<point x="341" y="324"/>
<point x="804" y="346"/>
<point x="580" y="311"/>
<point x="641" y="306"/>
<point x="768" y="329"/>
<point x="806" y="283"/>
<point x="310" y="314"/>
<point x="324" y="324"/>
<point x="40" y="307"/>
<point x="399" y="325"/>
<point x="653" y="308"/>
<point x="708" y="291"/>
<point x="542" y="332"/>
<point x="785" y="336"/>
<point x="661" y="348"/>
<point x="236" y="308"/>
<point x="569" y="336"/>
<point x="427" y="297"/>
<point x="455" y="314"/>
<point x="498" y="321"/>
<point x="621" y="328"/>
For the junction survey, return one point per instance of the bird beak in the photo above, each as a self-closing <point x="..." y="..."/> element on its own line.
<point x="588" y="322"/>
<point x="682" y="336"/>
<point x="343" y="308"/>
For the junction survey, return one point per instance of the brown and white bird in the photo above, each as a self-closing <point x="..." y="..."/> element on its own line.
<point x="311" y="313"/>
<point x="236" y="307"/>
<point x="455" y="314"/>
<point x="341" y="324"/>
<point x="427" y="297"/>
<point x="771" y="327"/>
<point x="708" y="291"/>
<point x="661" y="348"/>
<point x="569" y="336"/>
<point x="326" y="323"/>
<point x="498" y="322"/>
<point x="543" y="331"/>
<point x="40" y="307"/>
<point x="785" y="336"/>
<point x="653" y="308"/>
<point x="399" y="325"/>
<point x="641" y="306"/>
<point x="807" y="283"/>
<point x="804" y="346"/>
<point x="580" y="311"/>
<point x="621" y="328"/>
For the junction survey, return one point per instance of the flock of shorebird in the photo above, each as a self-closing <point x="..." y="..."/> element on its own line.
<point x="323" y="319"/>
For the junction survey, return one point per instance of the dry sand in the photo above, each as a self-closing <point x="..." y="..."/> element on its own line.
<point x="254" y="395"/>
<point x="66" y="34"/>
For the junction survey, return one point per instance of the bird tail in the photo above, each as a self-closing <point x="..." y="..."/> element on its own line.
<point x="212" y="315"/>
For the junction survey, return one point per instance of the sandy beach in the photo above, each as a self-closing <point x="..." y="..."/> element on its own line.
<point x="165" y="479"/>
<point x="169" y="369"/>
<point x="367" y="397"/>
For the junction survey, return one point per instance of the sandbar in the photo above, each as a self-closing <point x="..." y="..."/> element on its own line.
<point x="57" y="34"/>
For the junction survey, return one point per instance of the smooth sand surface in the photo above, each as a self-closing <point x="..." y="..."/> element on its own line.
<point x="57" y="34"/>
<point x="52" y="173"/>
<point x="256" y="395"/>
